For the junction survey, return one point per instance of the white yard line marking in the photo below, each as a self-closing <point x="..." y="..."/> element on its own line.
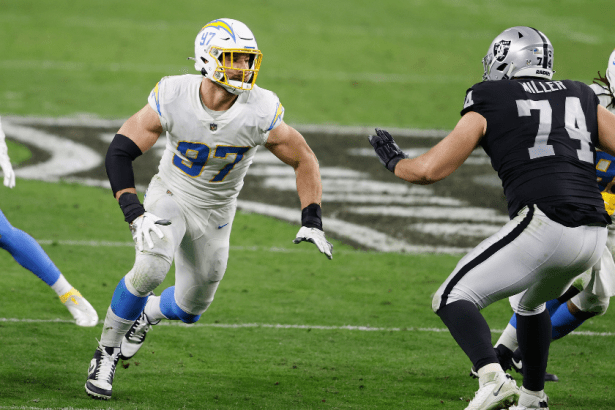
<point x="360" y="234"/>
<point x="67" y="157"/>
<point x="474" y="214"/>
<point x="339" y="182"/>
<point x="298" y="327"/>
<point x="96" y="244"/>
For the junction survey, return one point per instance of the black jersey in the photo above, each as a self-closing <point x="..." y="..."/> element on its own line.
<point x="541" y="137"/>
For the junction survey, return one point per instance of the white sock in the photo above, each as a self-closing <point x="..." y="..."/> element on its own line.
<point x="114" y="329"/>
<point x="509" y="338"/>
<point x="61" y="286"/>
<point x="489" y="368"/>
<point x="152" y="309"/>
<point x="539" y="394"/>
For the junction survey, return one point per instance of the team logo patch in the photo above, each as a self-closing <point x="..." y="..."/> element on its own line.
<point x="221" y="25"/>
<point x="500" y="50"/>
<point x="213" y="126"/>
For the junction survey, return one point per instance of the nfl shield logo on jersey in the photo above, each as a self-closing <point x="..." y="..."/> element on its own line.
<point x="213" y="126"/>
<point x="500" y="50"/>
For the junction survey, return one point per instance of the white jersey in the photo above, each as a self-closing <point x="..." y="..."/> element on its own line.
<point x="604" y="95"/>
<point x="208" y="153"/>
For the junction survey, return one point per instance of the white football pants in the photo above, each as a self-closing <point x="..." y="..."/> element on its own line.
<point x="597" y="283"/>
<point x="198" y="241"/>
<point x="532" y="259"/>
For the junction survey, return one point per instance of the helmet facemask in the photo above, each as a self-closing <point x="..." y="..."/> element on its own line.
<point x="223" y="59"/>
<point x="491" y="63"/>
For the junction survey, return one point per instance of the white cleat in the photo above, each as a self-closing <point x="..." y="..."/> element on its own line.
<point x="497" y="391"/>
<point x="82" y="311"/>
<point x="134" y="338"/>
<point x="529" y="401"/>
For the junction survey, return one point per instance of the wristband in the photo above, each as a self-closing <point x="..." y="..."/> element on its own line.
<point x="131" y="206"/>
<point x="311" y="216"/>
<point x="393" y="163"/>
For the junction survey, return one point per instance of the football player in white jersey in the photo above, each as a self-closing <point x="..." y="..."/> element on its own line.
<point x="590" y="294"/>
<point x="29" y="254"/>
<point x="214" y="123"/>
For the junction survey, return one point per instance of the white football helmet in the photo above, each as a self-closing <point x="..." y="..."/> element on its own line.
<point x="610" y="73"/>
<point x="215" y="48"/>
<point x="519" y="52"/>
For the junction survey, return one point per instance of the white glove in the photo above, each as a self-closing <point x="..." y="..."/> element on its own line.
<point x="317" y="237"/>
<point x="7" y="169"/>
<point x="5" y="162"/>
<point x="142" y="228"/>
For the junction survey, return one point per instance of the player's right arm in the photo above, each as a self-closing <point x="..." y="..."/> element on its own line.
<point x="137" y="135"/>
<point x="143" y="129"/>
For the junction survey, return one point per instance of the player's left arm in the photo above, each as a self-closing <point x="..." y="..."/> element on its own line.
<point x="290" y="147"/>
<point x="441" y="160"/>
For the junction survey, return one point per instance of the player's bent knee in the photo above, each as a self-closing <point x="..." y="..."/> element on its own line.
<point x="216" y="253"/>
<point x="599" y="308"/>
<point x="586" y="305"/>
<point x="148" y="272"/>
<point x="526" y="311"/>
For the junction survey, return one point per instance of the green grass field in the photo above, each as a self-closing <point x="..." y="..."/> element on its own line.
<point x="309" y="361"/>
<point x="391" y="62"/>
<point x="395" y="63"/>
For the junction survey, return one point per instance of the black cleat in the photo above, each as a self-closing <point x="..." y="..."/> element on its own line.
<point x="101" y="372"/>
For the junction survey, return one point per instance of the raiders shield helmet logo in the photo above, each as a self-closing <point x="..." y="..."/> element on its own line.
<point x="213" y="126"/>
<point x="500" y="50"/>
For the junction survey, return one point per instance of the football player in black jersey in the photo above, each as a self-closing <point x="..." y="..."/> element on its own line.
<point x="590" y="293"/>
<point x="541" y="136"/>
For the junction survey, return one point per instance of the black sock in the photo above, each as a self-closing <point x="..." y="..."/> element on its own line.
<point x="470" y="330"/>
<point x="534" y="336"/>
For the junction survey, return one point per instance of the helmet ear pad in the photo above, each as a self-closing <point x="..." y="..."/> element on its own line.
<point x="203" y="70"/>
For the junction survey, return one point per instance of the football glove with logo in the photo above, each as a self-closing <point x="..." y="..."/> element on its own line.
<point x="317" y="237"/>
<point x="143" y="226"/>
<point x="387" y="149"/>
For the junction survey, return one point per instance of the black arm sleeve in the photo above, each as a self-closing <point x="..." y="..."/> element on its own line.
<point x="118" y="162"/>
<point x="311" y="216"/>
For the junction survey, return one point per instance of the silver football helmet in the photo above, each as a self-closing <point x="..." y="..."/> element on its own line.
<point x="519" y="52"/>
<point x="215" y="49"/>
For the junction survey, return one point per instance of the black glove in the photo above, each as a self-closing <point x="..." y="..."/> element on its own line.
<point x="387" y="150"/>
